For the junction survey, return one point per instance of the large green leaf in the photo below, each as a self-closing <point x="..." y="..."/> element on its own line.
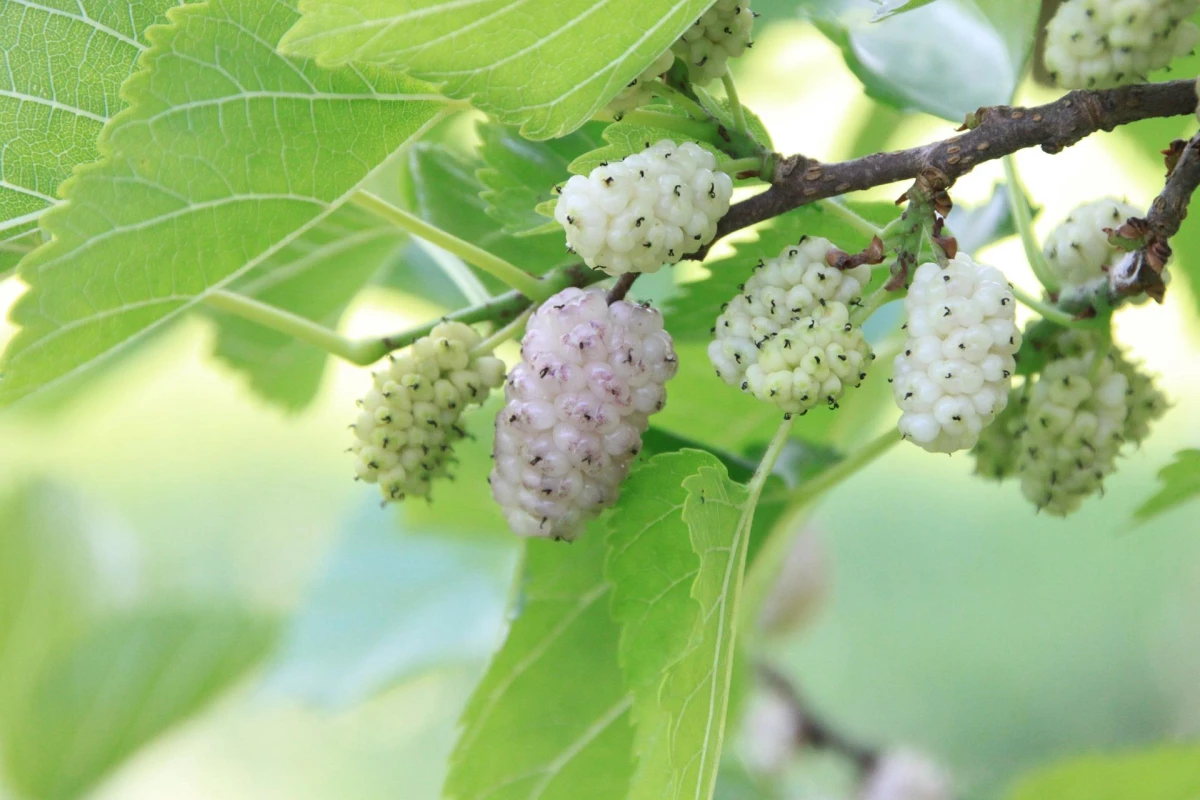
<point x="903" y="59"/>
<point x="545" y="65"/>
<point x="677" y="553"/>
<point x="116" y="690"/>
<point x="389" y="605"/>
<point x="1180" y="483"/>
<point x="551" y="720"/>
<point x="691" y="316"/>
<point x="64" y="65"/>
<point x="315" y="277"/>
<point x="228" y="153"/>
<point x="1169" y="773"/>
<point x="520" y="174"/>
<point x="46" y="585"/>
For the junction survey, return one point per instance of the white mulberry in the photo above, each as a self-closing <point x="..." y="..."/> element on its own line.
<point x="1077" y="250"/>
<point x="787" y="338"/>
<point x="721" y="33"/>
<point x="1096" y="44"/>
<point x="636" y="92"/>
<point x="954" y="374"/>
<point x="907" y="775"/>
<point x="649" y="209"/>
<point x="1144" y="400"/>
<point x="1073" y="432"/>
<point x="996" y="451"/>
<point x="409" y="419"/>
<point x="591" y="374"/>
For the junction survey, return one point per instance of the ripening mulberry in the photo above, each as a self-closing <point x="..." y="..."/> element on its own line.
<point x="787" y="338"/>
<point x="995" y="452"/>
<point x="409" y="419"/>
<point x="649" y="209"/>
<point x="590" y="376"/>
<point x="1073" y="432"/>
<point x="722" y="33"/>
<point x="1144" y="400"/>
<point x="1078" y="250"/>
<point x="1096" y="44"/>
<point x="637" y="93"/>
<point x="955" y="372"/>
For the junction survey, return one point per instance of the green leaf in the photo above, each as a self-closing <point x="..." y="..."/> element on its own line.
<point x="551" y="717"/>
<point x="448" y="196"/>
<point x="889" y="7"/>
<point x="631" y="135"/>
<point x="133" y="679"/>
<point x="1180" y="483"/>
<point x="46" y="585"/>
<point x="521" y="174"/>
<point x="389" y="605"/>
<point x="227" y="153"/>
<point x="902" y="60"/>
<point x="64" y="68"/>
<point x="545" y="65"/>
<point x="979" y="226"/>
<point x="681" y="514"/>
<point x="1168" y="773"/>
<point x="692" y="314"/>
<point x="316" y="277"/>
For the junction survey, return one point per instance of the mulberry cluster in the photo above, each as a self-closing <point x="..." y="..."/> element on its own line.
<point x="409" y="419"/>
<point x="954" y="374"/>
<point x="1077" y="250"/>
<point x="591" y="374"/>
<point x="637" y="93"/>
<point x="722" y="33"/>
<point x="1096" y="44"/>
<point x="787" y="338"/>
<point x="649" y="209"/>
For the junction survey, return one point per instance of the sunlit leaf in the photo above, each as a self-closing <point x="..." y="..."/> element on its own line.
<point x="1179" y="483"/>
<point x="116" y="690"/>
<point x="390" y="604"/>
<point x="64" y="66"/>
<point x="545" y="65"/>
<point x="1169" y="773"/>
<point x="889" y="7"/>
<point x="227" y="154"/>
<point x="551" y="717"/>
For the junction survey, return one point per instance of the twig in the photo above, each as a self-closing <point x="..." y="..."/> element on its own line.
<point x="811" y="730"/>
<point x="622" y="287"/>
<point x="995" y="132"/>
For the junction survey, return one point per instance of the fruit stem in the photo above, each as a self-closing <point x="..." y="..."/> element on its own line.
<point x="290" y="324"/>
<point x="854" y="220"/>
<point x="769" y="560"/>
<point x="871" y="304"/>
<point x="678" y="98"/>
<point x="495" y="266"/>
<point x="735" y="165"/>
<point x="1023" y="217"/>
<point x="503" y="335"/>
<point x="1049" y="312"/>
<point x="735" y="103"/>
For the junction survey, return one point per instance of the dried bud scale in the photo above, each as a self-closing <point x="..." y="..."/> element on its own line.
<point x="590" y="376"/>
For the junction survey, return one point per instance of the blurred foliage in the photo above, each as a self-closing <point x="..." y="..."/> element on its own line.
<point x="1180" y="483"/>
<point x="1170" y="773"/>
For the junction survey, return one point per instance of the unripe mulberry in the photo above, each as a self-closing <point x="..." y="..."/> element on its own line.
<point x="637" y="93"/>
<point x="787" y="338"/>
<point x="996" y="450"/>
<point x="1078" y="250"/>
<point x="1143" y="399"/>
<point x="721" y="33"/>
<point x="590" y="376"/>
<point x="955" y="372"/>
<point x="1073" y="432"/>
<point x="409" y="419"/>
<point x="1096" y="44"/>
<point x="649" y="209"/>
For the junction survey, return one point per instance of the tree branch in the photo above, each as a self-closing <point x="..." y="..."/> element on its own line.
<point x="994" y="132"/>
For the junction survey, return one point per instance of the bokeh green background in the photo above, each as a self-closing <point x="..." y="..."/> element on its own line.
<point x="958" y="620"/>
